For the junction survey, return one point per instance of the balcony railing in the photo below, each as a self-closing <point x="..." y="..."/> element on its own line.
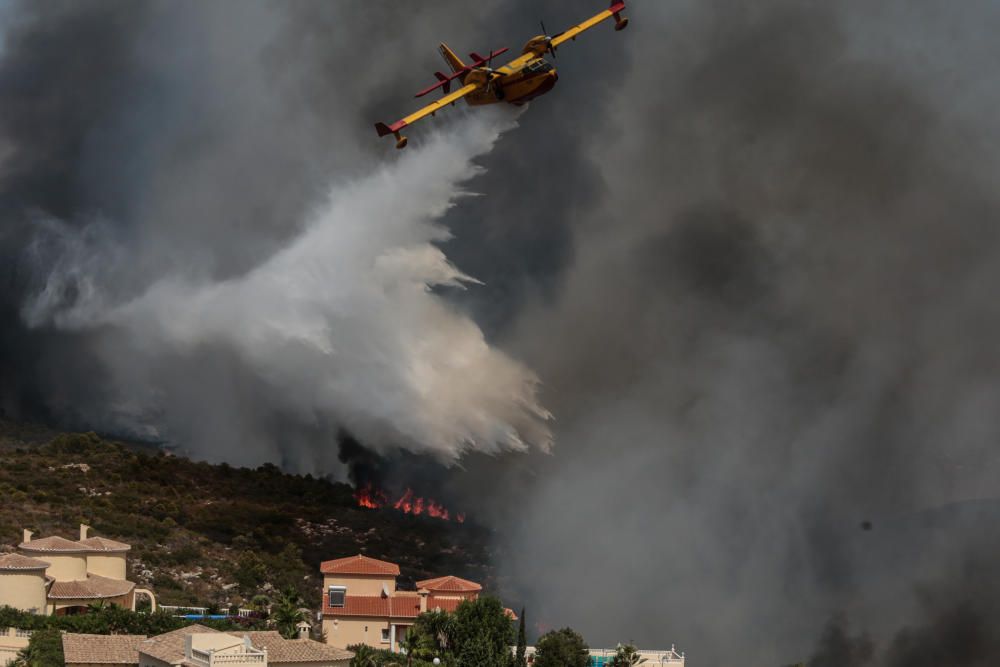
<point x="247" y="657"/>
<point x="256" y="658"/>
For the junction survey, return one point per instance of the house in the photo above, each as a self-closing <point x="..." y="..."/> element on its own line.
<point x="601" y="657"/>
<point x="54" y="575"/>
<point x="361" y="604"/>
<point x="200" y="646"/>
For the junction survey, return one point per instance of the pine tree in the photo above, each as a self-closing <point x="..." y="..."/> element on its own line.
<point x="522" y="644"/>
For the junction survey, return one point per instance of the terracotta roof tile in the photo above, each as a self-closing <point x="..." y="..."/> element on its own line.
<point x="449" y="584"/>
<point x="53" y="544"/>
<point x="169" y="647"/>
<point x="395" y="606"/>
<point x="359" y="565"/>
<point x="281" y="650"/>
<point x="104" y="544"/>
<point x="443" y="604"/>
<point x="19" y="562"/>
<point x="101" y="649"/>
<point x="91" y="588"/>
<point x="376" y="605"/>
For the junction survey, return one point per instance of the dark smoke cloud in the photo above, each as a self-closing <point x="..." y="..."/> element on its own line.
<point x="776" y="325"/>
<point x="749" y="249"/>
<point x="200" y="140"/>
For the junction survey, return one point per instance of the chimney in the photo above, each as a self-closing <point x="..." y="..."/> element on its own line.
<point x="27" y="536"/>
<point x="304" y="630"/>
<point x="83" y="531"/>
<point x="423" y="593"/>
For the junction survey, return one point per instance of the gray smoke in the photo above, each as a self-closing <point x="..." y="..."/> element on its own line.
<point x="249" y="281"/>
<point x="747" y="248"/>
<point x="778" y="324"/>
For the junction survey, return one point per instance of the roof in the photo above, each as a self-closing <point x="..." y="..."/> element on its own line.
<point x="169" y="647"/>
<point x="281" y="650"/>
<point x="359" y="565"/>
<point x="93" y="587"/>
<point x="10" y="562"/>
<point x="104" y="544"/>
<point x="53" y="544"/>
<point x="101" y="649"/>
<point x="394" y="606"/>
<point x="449" y="584"/>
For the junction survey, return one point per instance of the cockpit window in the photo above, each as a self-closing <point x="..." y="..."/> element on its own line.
<point x="538" y="66"/>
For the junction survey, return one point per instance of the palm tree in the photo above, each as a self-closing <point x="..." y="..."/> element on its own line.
<point x="364" y="656"/>
<point x="412" y="643"/>
<point x="97" y="607"/>
<point x="287" y="614"/>
<point x="626" y="655"/>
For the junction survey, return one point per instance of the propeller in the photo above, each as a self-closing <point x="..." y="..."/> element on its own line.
<point x="545" y="33"/>
<point x="489" y="71"/>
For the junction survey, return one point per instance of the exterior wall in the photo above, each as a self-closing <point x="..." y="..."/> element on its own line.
<point x="347" y="631"/>
<point x="359" y="584"/>
<point x="149" y="661"/>
<point x="11" y="644"/>
<point x="63" y="567"/>
<point x="111" y="566"/>
<point x="122" y="601"/>
<point x="23" y="590"/>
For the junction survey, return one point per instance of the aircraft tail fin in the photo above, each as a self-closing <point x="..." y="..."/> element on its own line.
<point x="449" y="56"/>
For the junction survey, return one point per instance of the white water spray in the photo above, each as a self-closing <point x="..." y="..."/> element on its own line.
<point x="340" y="327"/>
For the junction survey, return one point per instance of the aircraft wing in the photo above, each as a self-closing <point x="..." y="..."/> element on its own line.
<point x="428" y="110"/>
<point x="572" y="33"/>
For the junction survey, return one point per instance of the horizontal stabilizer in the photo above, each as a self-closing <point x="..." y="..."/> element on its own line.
<point x="384" y="129"/>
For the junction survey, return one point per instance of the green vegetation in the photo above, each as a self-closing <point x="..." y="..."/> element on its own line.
<point x="287" y="613"/>
<point x="114" y="620"/>
<point x="213" y="535"/>
<point x="522" y="644"/>
<point x="478" y="634"/>
<point x="626" y="655"/>
<point x="44" y="650"/>
<point x="562" y="648"/>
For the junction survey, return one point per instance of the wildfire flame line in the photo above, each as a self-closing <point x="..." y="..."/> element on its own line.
<point x="409" y="503"/>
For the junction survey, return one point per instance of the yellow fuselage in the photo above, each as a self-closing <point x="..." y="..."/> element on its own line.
<point x="534" y="79"/>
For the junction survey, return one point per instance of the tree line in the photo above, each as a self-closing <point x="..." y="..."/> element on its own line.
<point x="480" y="633"/>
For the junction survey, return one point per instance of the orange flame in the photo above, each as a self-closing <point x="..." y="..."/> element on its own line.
<point x="371" y="498"/>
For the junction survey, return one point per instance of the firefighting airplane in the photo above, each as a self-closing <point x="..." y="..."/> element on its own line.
<point x="517" y="82"/>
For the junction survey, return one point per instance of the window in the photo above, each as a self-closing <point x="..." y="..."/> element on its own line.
<point x="385" y="635"/>
<point x="336" y="596"/>
<point x="538" y="66"/>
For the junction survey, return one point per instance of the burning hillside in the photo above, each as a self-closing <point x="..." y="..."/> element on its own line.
<point x="371" y="497"/>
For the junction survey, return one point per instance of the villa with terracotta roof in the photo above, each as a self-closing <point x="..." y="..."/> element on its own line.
<point x="361" y="604"/>
<point x="54" y="575"/>
<point x="200" y="646"/>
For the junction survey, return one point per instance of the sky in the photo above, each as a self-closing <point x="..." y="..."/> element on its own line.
<point x="707" y="334"/>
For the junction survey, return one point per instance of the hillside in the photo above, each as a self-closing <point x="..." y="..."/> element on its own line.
<point x="213" y="534"/>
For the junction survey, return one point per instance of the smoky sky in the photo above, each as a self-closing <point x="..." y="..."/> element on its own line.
<point x="748" y="250"/>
